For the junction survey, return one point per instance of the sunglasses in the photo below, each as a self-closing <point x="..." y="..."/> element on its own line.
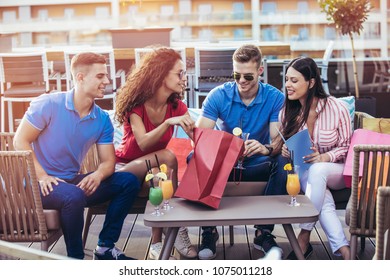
<point x="181" y="74"/>
<point x="248" y="77"/>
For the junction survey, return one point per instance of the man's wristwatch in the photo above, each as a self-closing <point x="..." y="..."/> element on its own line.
<point x="269" y="148"/>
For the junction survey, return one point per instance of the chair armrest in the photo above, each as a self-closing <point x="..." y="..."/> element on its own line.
<point x="359" y="116"/>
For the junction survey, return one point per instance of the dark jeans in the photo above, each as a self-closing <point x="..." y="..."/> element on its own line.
<point x="121" y="188"/>
<point x="260" y="169"/>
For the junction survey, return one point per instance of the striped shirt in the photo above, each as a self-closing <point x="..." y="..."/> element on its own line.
<point x="332" y="129"/>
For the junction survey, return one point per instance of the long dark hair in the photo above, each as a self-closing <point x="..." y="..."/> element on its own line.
<point x="295" y="115"/>
<point x="142" y="83"/>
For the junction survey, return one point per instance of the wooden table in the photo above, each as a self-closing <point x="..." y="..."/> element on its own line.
<point x="240" y="210"/>
<point x="267" y="48"/>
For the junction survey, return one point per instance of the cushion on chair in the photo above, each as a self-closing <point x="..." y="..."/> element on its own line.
<point x="349" y="102"/>
<point x="52" y="219"/>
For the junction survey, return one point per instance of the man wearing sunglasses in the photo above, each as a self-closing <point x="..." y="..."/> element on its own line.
<point x="254" y="107"/>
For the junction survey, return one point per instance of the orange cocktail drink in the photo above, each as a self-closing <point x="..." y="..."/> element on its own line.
<point x="293" y="186"/>
<point x="167" y="189"/>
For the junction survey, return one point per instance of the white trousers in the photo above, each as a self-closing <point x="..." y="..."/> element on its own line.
<point x="316" y="183"/>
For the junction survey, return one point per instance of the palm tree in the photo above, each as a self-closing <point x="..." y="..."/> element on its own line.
<point x="348" y="16"/>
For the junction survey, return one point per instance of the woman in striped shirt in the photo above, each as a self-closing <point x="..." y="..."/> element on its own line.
<point x="329" y="125"/>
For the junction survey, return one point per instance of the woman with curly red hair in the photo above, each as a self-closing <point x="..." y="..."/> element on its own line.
<point x="149" y="106"/>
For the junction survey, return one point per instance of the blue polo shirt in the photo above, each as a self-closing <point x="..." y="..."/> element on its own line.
<point x="65" y="138"/>
<point x="224" y="103"/>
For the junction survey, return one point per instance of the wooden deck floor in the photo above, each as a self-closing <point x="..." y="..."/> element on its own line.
<point x="135" y="241"/>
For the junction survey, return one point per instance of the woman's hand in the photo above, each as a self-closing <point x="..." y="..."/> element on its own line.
<point x="285" y="151"/>
<point x="185" y="121"/>
<point x="315" y="156"/>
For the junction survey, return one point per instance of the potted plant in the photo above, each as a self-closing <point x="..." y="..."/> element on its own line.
<point x="348" y="17"/>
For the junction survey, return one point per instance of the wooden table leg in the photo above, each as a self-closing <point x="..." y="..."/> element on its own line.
<point x="170" y="238"/>
<point x="293" y="241"/>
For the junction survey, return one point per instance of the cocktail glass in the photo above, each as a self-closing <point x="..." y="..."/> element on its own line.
<point x="244" y="136"/>
<point x="293" y="186"/>
<point x="167" y="190"/>
<point x="156" y="197"/>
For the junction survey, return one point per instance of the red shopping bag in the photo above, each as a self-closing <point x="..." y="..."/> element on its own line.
<point x="215" y="154"/>
<point x="181" y="147"/>
<point x="362" y="136"/>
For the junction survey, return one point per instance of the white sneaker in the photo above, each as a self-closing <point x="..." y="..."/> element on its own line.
<point x="183" y="244"/>
<point x="275" y="253"/>
<point x="155" y="250"/>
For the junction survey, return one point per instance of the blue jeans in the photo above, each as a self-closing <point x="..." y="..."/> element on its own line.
<point x="121" y="188"/>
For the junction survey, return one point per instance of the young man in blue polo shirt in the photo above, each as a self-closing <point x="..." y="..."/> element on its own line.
<point x="60" y="128"/>
<point x="254" y="107"/>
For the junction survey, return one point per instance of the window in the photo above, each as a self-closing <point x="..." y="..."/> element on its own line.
<point x="330" y="33"/>
<point x="269" y="34"/>
<point x="167" y="10"/>
<point x="43" y="14"/>
<point x="206" y="34"/>
<point x="268" y="8"/>
<point x="303" y="7"/>
<point x="303" y="34"/>
<point x="102" y="12"/>
<point x="9" y="16"/>
<point x="68" y="13"/>
<point x="238" y="33"/>
<point x="238" y="10"/>
<point x="204" y="11"/>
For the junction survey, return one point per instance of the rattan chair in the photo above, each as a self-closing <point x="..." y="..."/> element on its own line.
<point x="23" y="76"/>
<point x="382" y="237"/>
<point x="6" y="141"/>
<point x="374" y="172"/>
<point x="22" y="217"/>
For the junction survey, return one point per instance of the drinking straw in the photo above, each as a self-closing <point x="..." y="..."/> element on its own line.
<point x="158" y="164"/>
<point x="284" y="140"/>
<point x="148" y="167"/>
<point x="292" y="159"/>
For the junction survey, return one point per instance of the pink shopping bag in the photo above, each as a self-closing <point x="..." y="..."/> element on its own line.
<point x="359" y="137"/>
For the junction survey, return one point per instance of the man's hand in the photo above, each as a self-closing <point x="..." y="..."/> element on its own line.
<point x="253" y="147"/>
<point x="90" y="183"/>
<point x="46" y="183"/>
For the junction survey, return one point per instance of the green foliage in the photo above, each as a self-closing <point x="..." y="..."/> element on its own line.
<point x="347" y="15"/>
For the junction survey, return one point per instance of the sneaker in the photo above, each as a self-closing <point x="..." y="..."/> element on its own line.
<point x="155" y="250"/>
<point x="306" y="255"/>
<point x="265" y="241"/>
<point x="275" y="253"/>
<point x="208" y="248"/>
<point x="183" y="244"/>
<point x="111" y="254"/>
